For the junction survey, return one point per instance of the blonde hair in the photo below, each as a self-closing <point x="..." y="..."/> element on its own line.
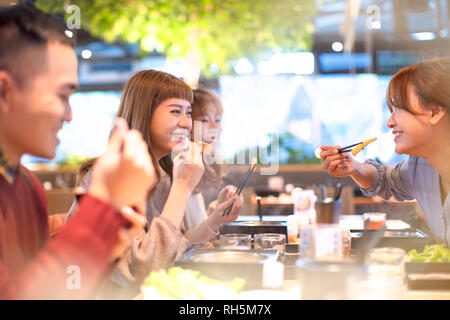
<point x="202" y="99"/>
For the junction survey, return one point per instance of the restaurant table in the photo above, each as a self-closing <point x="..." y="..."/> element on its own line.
<point x="355" y="222"/>
<point x="292" y="286"/>
<point x="428" y="295"/>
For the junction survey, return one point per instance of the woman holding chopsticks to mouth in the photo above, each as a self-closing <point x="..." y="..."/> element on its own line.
<point x="419" y="100"/>
<point x="158" y="105"/>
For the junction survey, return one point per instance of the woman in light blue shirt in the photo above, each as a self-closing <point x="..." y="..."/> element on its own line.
<point x="419" y="100"/>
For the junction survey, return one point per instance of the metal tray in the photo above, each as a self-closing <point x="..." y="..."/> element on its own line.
<point x="228" y="256"/>
<point x="419" y="275"/>
<point x="407" y="239"/>
<point x="254" y="227"/>
<point x="229" y="264"/>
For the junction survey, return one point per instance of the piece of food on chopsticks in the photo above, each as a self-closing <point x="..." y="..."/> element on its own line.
<point x="181" y="284"/>
<point x="206" y="148"/>
<point x="361" y="146"/>
<point x="204" y="145"/>
<point x="433" y="253"/>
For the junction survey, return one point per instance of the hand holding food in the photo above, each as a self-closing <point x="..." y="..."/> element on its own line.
<point x="187" y="165"/>
<point x="124" y="174"/>
<point x="207" y="148"/>
<point x="361" y="146"/>
<point x="337" y="164"/>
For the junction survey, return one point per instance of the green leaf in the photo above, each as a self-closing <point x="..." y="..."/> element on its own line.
<point x="229" y="29"/>
<point x="433" y="253"/>
<point x="179" y="283"/>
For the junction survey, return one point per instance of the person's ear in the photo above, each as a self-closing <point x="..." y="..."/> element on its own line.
<point x="6" y="85"/>
<point x="437" y="113"/>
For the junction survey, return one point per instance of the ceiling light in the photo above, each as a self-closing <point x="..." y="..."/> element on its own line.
<point x="423" y="36"/>
<point x="375" y="24"/>
<point x="86" y="54"/>
<point x="337" y="46"/>
<point x="69" y="33"/>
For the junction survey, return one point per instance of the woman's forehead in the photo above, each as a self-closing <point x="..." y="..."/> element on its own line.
<point x="176" y="102"/>
<point x="210" y="109"/>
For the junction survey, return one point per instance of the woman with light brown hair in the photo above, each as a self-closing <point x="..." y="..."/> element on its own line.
<point x="419" y="100"/>
<point x="158" y="105"/>
<point x="141" y="96"/>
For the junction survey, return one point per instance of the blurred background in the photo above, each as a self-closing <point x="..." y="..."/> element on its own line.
<point x="317" y="74"/>
<point x="305" y="72"/>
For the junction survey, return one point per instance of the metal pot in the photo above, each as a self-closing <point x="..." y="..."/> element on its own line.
<point x="324" y="280"/>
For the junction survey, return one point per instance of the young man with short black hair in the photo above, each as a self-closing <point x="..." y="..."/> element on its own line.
<point x="38" y="73"/>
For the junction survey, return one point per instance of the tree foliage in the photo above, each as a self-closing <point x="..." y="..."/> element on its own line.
<point x="219" y="31"/>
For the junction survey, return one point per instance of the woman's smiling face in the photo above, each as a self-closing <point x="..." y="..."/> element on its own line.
<point x="412" y="130"/>
<point x="170" y="124"/>
<point x="211" y="126"/>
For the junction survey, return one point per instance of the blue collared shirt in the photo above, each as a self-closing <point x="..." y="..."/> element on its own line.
<point x="412" y="179"/>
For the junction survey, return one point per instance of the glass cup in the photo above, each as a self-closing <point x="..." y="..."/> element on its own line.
<point x="321" y="242"/>
<point x="293" y="227"/>
<point x="346" y="243"/>
<point x="386" y="262"/>
<point x="386" y="273"/>
<point x="235" y="241"/>
<point x="270" y="241"/>
<point x="374" y="220"/>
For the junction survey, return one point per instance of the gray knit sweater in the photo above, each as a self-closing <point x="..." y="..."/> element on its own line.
<point x="151" y="250"/>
